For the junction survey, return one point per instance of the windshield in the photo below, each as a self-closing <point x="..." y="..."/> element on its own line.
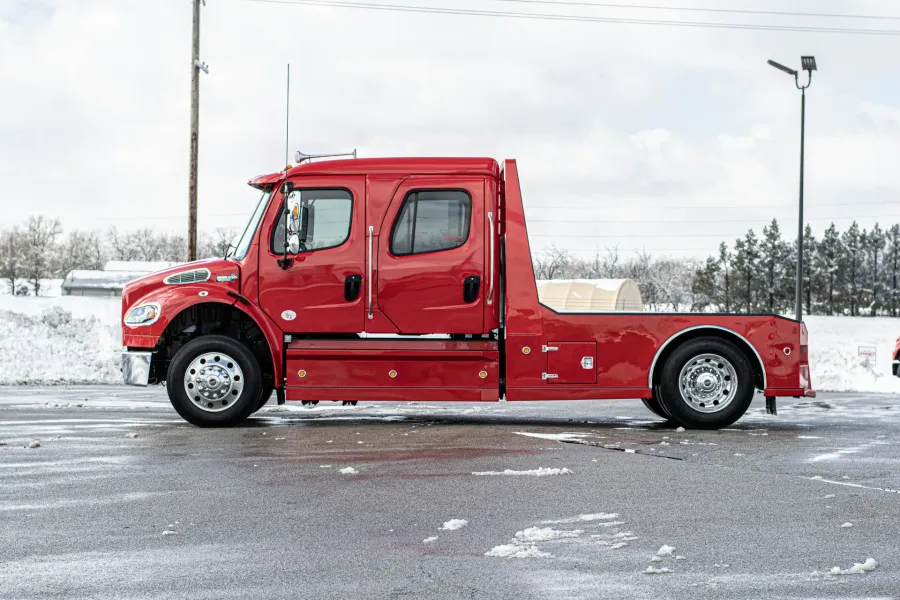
<point x="243" y="244"/>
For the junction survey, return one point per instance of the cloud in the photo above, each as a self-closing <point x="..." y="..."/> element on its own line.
<point x="614" y="126"/>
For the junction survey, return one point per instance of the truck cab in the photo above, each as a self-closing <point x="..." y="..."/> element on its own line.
<point x="411" y="279"/>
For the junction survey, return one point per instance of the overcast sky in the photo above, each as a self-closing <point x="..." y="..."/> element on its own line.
<point x="663" y="138"/>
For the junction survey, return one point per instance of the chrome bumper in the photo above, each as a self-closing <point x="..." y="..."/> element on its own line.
<point x="136" y="368"/>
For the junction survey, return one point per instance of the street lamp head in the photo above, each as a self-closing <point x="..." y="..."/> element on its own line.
<point x="781" y="67"/>
<point x="808" y="63"/>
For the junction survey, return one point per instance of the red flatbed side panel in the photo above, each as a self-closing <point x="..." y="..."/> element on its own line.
<point x="393" y="370"/>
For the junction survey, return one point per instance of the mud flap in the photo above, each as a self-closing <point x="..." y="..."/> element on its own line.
<point x="771" y="406"/>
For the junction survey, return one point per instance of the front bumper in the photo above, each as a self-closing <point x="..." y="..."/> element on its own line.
<point x="136" y="368"/>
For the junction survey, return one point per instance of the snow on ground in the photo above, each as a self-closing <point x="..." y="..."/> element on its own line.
<point x="834" y="344"/>
<point x="69" y="339"/>
<point x="539" y="472"/>
<point x="454" y="524"/>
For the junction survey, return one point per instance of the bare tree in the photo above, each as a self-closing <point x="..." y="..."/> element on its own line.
<point x="11" y="259"/>
<point x="553" y="263"/>
<point x="38" y="246"/>
<point x="80" y="250"/>
<point x="215" y="243"/>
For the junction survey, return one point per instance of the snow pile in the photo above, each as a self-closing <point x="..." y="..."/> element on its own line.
<point x="651" y="570"/>
<point x="834" y="361"/>
<point x="856" y="569"/>
<point x="585" y="518"/>
<point x="540" y="472"/>
<point x="53" y="346"/>
<point x="454" y="524"/>
<point x="349" y="471"/>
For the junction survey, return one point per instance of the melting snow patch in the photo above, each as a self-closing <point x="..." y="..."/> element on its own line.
<point x="430" y="540"/>
<point x="559" y="437"/>
<point x="583" y="518"/>
<point x="169" y="532"/>
<point x="618" y="545"/>
<point x="34" y="444"/>
<point x="545" y="534"/>
<point x="666" y="551"/>
<point x="540" y="472"/>
<point x="856" y="569"/>
<point x="651" y="570"/>
<point x="131" y="435"/>
<point x="847" y="525"/>
<point x="680" y="429"/>
<point x="656" y="559"/>
<point x="349" y="471"/>
<point x="454" y="524"/>
<point x="517" y="551"/>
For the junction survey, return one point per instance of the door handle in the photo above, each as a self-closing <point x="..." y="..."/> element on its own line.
<point x="352" y="287"/>
<point x="471" y="286"/>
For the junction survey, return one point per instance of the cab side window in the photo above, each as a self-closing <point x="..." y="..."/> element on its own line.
<point x="330" y="215"/>
<point x="432" y="221"/>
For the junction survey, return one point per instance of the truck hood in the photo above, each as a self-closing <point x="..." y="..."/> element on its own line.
<point x="193" y="274"/>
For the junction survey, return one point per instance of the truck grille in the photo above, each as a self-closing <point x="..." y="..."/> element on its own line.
<point x="194" y="276"/>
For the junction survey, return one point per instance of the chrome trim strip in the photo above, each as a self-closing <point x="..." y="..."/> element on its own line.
<point x="490" y="299"/>
<point x="369" y="278"/>
<point x="683" y="331"/>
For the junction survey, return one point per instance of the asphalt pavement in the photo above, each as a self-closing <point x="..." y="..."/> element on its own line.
<point x="540" y="500"/>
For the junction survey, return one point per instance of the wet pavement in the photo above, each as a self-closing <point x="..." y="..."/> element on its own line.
<point x="122" y="499"/>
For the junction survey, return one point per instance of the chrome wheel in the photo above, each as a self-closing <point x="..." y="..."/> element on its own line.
<point x="708" y="383"/>
<point x="213" y="381"/>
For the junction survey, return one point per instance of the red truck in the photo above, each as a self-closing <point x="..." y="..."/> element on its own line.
<point x="410" y="279"/>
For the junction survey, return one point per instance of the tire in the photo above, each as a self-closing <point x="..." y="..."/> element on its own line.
<point x="268" y="386"/>
<point x="706" y="383"/>
<point x="654" y="406"/>
<point x="225" y="386"/>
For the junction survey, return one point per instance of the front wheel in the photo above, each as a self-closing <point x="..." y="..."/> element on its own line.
<point x="214" y="381"/>
<point x="706" y="383"/>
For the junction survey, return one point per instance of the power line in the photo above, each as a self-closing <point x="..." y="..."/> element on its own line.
<point x="578" y="18"/>
<point x="777" y="13"/>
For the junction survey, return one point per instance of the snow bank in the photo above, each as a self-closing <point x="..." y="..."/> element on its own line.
<point x="59" y="340"/>
<point x="539" y="472"/>
<point x="834" y="359"/>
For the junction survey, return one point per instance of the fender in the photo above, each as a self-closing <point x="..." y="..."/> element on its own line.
<point x="173" y="300"/>
<point x="678" y="334"/>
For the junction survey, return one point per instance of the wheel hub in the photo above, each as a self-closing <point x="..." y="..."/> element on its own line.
<point x="708" y="383"/>
<point x="213" y="381"/>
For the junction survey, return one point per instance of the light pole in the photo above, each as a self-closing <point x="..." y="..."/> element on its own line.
<point x="808" y="64"/>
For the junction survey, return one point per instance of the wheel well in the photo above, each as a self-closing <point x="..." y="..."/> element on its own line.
<point x="740" y="343"/>
<point x="207" y="319"/>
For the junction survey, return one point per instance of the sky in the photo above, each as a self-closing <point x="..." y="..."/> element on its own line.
<point x="665" y="139"/>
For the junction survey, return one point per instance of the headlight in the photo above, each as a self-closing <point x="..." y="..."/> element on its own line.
<point x="145" y="314"/>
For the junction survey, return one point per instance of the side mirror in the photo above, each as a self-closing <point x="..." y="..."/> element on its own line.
<point x="294" y="215"/>
<point x="293" y="244"/>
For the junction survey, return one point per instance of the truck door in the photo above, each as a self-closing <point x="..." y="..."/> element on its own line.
<point x="429" y="272"/>
<point x="320" y="290"/>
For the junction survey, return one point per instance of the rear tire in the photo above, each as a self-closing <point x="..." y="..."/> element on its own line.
<point x="214" y="381"/>
<point x="706" y="383"/>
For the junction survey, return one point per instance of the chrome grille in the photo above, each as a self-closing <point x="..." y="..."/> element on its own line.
<point x="193" y="276"/>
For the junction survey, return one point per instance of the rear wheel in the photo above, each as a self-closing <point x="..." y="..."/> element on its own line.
<point x="706" y="383"/>
<point x="214" y="381"/>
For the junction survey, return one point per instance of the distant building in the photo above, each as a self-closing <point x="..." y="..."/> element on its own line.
<point x="109" y="282"/>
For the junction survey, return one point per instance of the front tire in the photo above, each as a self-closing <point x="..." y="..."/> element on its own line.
<point x="706" y="383"/>
<point x="214" y="381"/>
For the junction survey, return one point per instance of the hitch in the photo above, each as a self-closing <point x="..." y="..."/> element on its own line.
<point x="771" y="406"/>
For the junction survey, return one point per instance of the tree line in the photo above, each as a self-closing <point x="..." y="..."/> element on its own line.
<point x="38" y="249"/>
<point x="851" y="272"/>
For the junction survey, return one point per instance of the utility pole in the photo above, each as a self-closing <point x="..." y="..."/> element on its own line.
<point x="196" y="67"/>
